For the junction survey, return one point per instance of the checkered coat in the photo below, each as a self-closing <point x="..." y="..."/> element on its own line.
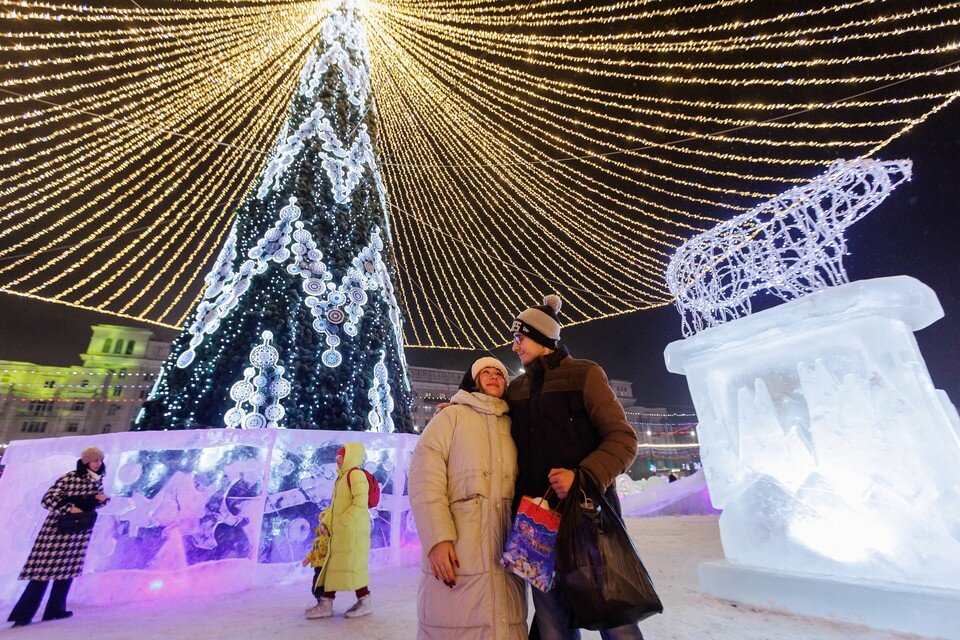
<point x="57" y="555"/>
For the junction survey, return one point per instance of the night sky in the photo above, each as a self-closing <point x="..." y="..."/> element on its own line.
<point x="914" y="232"/>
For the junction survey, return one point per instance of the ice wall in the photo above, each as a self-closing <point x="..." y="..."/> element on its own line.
<point x="204" y="511"/>
<point x="824" y="440"/>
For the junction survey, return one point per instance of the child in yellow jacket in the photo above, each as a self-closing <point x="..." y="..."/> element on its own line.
<point x="341" y="550"/>
<point x="317" y="558"/>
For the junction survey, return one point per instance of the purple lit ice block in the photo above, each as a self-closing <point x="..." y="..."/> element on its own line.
<point x="204" y="511"/>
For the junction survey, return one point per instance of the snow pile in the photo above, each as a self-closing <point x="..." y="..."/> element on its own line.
<point x="686" y="497"/>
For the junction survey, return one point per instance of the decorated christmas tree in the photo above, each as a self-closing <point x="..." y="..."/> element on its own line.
<point x="298" y="326"/>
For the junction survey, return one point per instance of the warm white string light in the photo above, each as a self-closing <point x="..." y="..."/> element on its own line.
<point x="525" y="146"/>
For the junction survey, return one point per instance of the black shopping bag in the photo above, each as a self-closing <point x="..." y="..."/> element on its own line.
<point x="598" y="569"/>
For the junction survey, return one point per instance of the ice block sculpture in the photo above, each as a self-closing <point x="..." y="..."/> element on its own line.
<point x="834" y="458"/>
<point x="205" y="511"/>
<point x="824" y="440"/>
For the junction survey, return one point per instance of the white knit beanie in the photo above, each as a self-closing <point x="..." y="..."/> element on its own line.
<point x="90" y="454"/>
<point x="540" y="323"/>
<point x="485" y="362"/>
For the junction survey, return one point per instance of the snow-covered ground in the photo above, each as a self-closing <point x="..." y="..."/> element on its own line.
<point x="671" y="547"/>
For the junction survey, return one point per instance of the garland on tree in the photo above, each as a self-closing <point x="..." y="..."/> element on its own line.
<point x="299" y="326"/>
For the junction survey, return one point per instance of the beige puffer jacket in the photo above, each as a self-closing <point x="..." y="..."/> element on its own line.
<point x="461" y="486"/>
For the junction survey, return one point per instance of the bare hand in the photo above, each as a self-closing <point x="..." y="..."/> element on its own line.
<point x="441" y="407"/>
<point x="101" y="497"/>
<point x="323" y="530"/>
<point x="443" y="557"/>
<point x="560" y="481"/>
<point x="73" y="509"/>
<point x="304" y="562"/>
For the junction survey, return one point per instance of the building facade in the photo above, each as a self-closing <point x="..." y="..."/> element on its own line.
<point x="432" y="386"/>
<point x="668" y="438"/>
<point x="668" y="441"/>
<point x="429" y="387"/>
<point x="121" y="365"/>
<point x="102" y="395"/>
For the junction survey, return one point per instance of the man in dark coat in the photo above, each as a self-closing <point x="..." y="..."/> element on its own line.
<point x="565" y="416"/>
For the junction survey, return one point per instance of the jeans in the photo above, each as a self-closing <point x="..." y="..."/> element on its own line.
<point x="29" y="602"/>
<point x="553" y="620"/>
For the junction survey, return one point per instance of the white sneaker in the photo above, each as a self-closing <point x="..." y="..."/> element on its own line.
<point x="362" y="607"/>
<point x="323" y="609"/>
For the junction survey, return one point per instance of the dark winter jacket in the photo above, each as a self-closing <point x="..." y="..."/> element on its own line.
<point x="57" y="555"/>
<point x="565" y="415"/>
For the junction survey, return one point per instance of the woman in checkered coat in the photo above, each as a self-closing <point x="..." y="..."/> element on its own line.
<point x="59" y="555"/>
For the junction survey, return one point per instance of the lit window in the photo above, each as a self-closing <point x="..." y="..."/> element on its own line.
<point x="39" y="407"/>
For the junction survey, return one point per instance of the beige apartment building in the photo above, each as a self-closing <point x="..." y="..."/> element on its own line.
<point x="102" y="395"/>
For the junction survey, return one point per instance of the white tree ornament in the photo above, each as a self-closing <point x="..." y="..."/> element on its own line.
<point x="263" y="387"/>
<point x="381" y="401"/>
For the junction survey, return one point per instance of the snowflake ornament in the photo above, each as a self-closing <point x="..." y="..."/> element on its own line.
<point x="262" y="388"/>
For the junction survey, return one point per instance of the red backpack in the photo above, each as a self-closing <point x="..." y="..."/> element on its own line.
<point x="373" y="494"/>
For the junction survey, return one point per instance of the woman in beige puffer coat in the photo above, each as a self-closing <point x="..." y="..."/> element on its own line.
<point x="461" y="487"/>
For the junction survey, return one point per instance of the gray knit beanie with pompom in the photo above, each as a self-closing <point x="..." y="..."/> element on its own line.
<point x="541" y="323"/>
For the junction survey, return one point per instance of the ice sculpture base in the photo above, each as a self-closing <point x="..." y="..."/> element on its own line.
<point x="832" y="455"/>
<point x="903" y="608"/>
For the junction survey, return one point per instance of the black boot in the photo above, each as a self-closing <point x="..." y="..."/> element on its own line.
<point x="57" y="616"/>
<point x="28" y="603"/>
<point x="57" y="603"/>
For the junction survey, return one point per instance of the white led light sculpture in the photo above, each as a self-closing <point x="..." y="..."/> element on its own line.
<point x="790" y="245"/>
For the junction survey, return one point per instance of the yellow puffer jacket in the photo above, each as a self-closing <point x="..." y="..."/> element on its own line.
<point x="348" y="521"/>
<point x="321" y="544"/>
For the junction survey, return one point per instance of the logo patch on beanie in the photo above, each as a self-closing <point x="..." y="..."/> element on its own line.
<point x="518" y="326"/>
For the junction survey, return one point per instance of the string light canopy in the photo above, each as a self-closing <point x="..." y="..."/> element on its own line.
<point x="527" y="147"/>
